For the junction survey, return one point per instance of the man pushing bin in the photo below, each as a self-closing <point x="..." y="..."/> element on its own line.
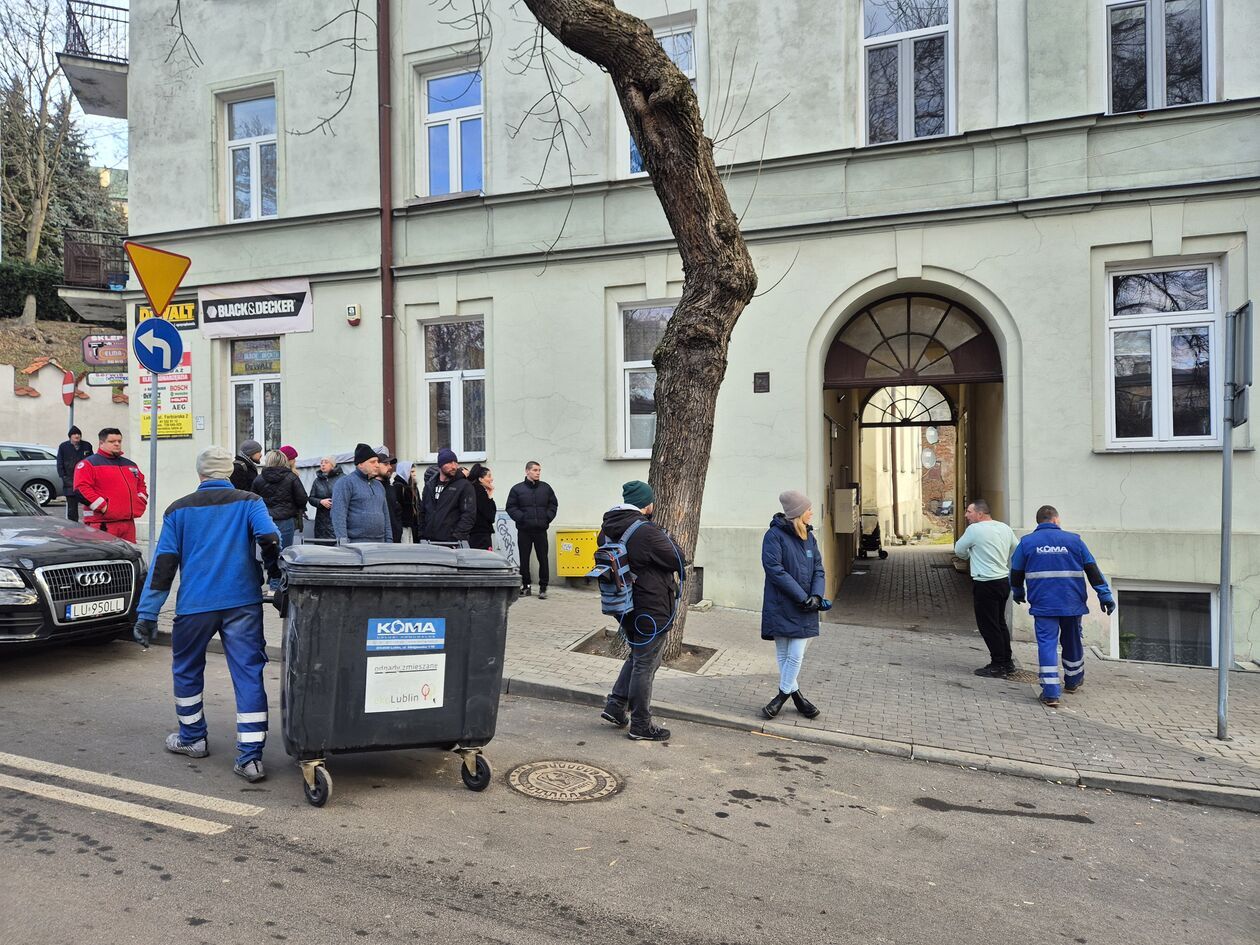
<point x="208" y="536"/>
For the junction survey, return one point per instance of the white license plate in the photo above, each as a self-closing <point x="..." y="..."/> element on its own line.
<point x="96" y="608"/>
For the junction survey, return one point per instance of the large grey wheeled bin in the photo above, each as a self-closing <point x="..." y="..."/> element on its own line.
<point x="392" y="647"/>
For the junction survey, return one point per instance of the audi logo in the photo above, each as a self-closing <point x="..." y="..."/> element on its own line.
<point x="93" y="578"/>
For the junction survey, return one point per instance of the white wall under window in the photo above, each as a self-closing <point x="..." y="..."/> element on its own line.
<point x="1158" y="53"/>
<point x="1163" y="330"/>
<point x="452" y="136"/>
<point x="251" y="158"/>
<point x="907" y="69"/>
<point x="453" y="388"/>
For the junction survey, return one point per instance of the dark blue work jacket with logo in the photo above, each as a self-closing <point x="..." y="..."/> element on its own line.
<point x="1055" y="564"/>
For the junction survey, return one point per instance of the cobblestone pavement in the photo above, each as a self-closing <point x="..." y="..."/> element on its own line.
<point x="915" y="687"/>
<point x="915" y="587"/>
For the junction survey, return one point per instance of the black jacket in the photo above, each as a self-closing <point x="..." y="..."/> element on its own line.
<point x="322" y="488"/>
<point x="448" y="509"/>
<point x="406" y="500"/>
<point x="244" y="472"/>
<point x="69" y="456"/>
<point x="282" y="492"/>
<point x="394" y="506"/>
<point x="654" y="559"/>
<point x="532" y="505"/>
<point x="483" y="525"/>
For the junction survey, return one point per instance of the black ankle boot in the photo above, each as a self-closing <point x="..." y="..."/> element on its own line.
<point x="804" y="706"/>
<point x="771" y="708"/>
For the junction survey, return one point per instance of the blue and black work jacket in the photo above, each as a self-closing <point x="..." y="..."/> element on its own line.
<point x="208" y="536"/>
<point x="1055" y="565"/>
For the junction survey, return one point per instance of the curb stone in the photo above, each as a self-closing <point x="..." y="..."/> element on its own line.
<point x="1212" y="795"/>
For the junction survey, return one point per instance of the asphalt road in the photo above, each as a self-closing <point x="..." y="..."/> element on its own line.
<point x="717" y="836"/>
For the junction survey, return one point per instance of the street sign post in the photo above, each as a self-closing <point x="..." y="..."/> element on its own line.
<point x="68" y="384"/>
<point x="1238" y="376"/>
<point x="157" y="343"/>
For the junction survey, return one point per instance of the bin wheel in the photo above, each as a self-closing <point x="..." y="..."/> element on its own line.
<point x="882" y="554"/>
<point x="318" y="795"/>
<point x="479" y="781"/>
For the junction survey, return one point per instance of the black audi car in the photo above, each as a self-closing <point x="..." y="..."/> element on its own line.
<point x="60" y="581"/>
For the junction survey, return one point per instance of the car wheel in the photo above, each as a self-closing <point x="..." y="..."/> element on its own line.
<point x="39" y="491"/>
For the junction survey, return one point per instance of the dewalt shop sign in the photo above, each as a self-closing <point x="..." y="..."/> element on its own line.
<point x="180" y="314"/>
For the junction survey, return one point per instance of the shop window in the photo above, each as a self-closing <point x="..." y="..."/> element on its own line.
<point x="642" y="328"/>
<point x="251" y="158"/>
<point x="256" y="394"/>
<point x="451" y="140"/>
<point x="908" y="68"/>
<point x="1163" y="326"/>
<point x="455" y="387"/>
<point x="1156" y="54"/>
<point x="1165" y="626"/>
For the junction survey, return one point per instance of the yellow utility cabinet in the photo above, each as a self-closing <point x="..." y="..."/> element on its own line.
<point x="575" y="552"/>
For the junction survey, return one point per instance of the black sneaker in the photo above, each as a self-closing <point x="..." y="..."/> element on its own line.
<point x="542" y="594"/>
<point x="991" y="670"/>
<point x="617" y="716"/>
<point x="525" y="591"/>
<point x="653" y="733"/>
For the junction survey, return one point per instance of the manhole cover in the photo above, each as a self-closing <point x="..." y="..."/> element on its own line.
<point x="1022" y="675"/>
<point x="567" y="781"/>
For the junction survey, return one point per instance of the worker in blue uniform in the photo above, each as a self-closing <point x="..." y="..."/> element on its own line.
<point x="1055" y="564"/>
<point x="209" y="536"/>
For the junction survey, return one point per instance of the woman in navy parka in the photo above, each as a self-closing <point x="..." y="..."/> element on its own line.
<point x="795" y="584"/>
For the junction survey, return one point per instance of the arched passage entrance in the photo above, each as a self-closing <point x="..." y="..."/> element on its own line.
<point x="913" y="395"/>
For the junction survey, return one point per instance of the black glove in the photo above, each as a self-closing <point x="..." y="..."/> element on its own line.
<point x="1108" y="606"/>
<point x="144" y="632"/>
<point x="1017" y="595"/>
<point x="273" y="573"/>
<point x="810" y="604"/>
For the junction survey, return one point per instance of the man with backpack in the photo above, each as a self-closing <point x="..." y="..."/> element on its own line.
<point x="646" y="556"/>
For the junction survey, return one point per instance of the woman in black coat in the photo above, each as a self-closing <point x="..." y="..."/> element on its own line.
<point x="320" y="498"/>
<point x="795" y="584"/>
<point x="283" y="494"/>
<point x="482" y="534"/>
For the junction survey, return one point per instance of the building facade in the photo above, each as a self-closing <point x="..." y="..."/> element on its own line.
<point x="1025" y="221"/>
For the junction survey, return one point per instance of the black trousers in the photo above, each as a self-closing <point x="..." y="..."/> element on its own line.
<point x="537" y="541"/>
<point x="990" y="599"/>
<point x="72" y="503"/>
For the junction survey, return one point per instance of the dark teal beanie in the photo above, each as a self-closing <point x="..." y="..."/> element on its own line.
<point x="636" y="493"/>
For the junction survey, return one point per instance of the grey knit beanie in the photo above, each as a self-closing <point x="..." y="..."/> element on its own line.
<point x="795" y="504"/>
<point x="214" y="462"/>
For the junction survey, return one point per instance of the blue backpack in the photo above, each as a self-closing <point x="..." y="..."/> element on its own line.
<point x="612" y="571"/>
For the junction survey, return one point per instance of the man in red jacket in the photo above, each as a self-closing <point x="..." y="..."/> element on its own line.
<point x="112" y="488"/>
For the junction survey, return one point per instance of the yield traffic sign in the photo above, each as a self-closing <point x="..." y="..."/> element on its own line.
<point x="159" y="272"/>
<point x="158" y="345"/>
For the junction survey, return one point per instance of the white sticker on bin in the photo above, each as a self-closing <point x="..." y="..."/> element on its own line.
<point x="405" y="683"/>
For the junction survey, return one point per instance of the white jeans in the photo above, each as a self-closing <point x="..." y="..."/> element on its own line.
<point x="790" y="652"/>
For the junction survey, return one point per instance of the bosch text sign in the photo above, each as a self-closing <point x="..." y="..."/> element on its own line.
<point x="406" y="633"/>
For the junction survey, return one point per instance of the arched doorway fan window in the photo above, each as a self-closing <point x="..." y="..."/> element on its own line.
<point x="907" y="337"/>
<point x="915" y="405"/>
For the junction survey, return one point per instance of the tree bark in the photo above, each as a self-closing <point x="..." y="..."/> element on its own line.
<point x="718" y="275"/>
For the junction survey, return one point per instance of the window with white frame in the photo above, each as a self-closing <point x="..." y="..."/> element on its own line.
<point x="1165" y="624"/>
<point x="455" y="387"/>
<point x="1162" y="331"/>
<point x="251" y="158"/>
<point x="451" y="142"/>
<point x="1156" y="54"/>
<point x="908" y="67"/>
<point x="642" y="328"/>
<point x="679" y="44"/>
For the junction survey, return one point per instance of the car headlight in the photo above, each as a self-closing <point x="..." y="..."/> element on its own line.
<point x="10" y="578"/>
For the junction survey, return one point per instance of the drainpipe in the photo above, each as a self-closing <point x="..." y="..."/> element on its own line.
<point x="385" y="153"/>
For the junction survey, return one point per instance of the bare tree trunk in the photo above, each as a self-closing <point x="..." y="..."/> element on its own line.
<point x="27" y="318"/>
<point x="718" y="276"/>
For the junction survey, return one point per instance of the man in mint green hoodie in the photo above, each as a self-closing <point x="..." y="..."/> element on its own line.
<point x="988" y="545"/>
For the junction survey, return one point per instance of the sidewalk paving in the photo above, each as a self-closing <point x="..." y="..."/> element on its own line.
<point x="1135" y="727"/>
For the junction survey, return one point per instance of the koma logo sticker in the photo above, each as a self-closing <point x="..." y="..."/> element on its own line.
<point x="401" y="627"/>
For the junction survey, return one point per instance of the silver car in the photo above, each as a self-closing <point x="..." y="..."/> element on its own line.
<point x="32" y="468"/>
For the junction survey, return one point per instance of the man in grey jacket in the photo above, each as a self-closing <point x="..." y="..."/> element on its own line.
<point x="359" y="510"/>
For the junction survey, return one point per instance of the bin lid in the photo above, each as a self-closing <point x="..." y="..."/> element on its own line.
<point x="382" y="558"/>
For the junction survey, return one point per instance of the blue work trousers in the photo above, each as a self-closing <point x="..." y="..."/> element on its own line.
<point x="1051" y="633"/>
<point x="241" y="630"/>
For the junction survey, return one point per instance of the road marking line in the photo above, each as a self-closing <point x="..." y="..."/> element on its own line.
<point x="108" y="781"/>
<point x="151" y="815"/>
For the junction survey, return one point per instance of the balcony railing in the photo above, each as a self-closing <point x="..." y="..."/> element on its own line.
<point x="96" y="31"/>
<point x="95" y="259"/>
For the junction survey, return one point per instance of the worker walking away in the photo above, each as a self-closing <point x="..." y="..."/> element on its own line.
<point x="1055" y="564"/>
<point x="209" y="536"/>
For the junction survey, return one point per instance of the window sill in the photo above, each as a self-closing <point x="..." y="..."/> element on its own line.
<point x="624" y="457"/>
<point x="469" y="196"/>
<point x="1123" y="450"/>
<point x="247" y="220"/>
